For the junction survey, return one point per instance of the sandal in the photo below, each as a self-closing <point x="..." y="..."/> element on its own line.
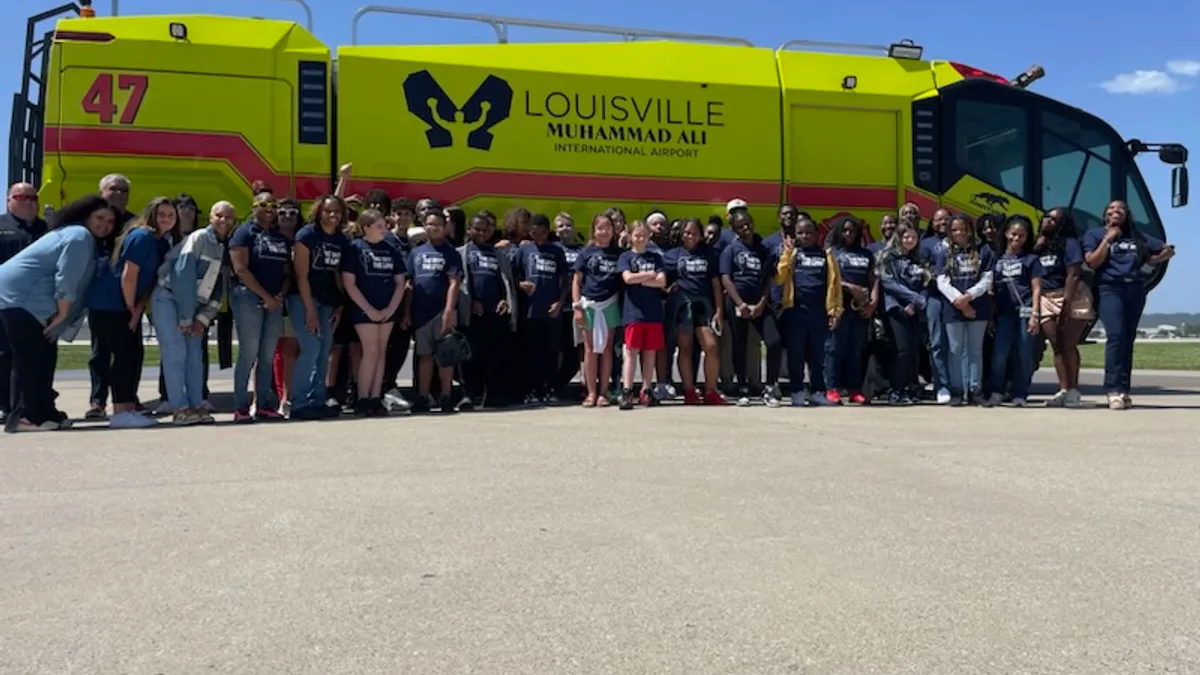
<point x="602" y="402"/>
<point x="589" y="401"/>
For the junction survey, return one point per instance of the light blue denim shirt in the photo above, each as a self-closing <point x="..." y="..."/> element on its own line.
<point x="56" y="267"/>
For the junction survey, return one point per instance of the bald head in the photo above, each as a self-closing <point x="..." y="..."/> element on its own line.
<point x="23" y="201"/>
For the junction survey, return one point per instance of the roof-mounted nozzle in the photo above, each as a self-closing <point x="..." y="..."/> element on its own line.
<point x="1028" y="77"/>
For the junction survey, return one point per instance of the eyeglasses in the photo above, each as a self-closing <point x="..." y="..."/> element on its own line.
<point x="23" y="198"/>
<point x="288" y="213"/>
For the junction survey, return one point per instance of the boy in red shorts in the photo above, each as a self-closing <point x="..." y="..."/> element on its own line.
<point x="645" y="278"/>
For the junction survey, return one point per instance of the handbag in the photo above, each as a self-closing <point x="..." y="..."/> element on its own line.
<point x="451" y="349"/>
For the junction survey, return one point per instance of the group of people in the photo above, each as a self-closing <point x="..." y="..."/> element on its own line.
<point x="509" y="310"/>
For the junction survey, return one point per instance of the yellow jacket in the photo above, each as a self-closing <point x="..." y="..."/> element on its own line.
<point x="833" y="282"/>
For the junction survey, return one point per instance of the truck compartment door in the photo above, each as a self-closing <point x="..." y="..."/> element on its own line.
<point x="843" y="161"/>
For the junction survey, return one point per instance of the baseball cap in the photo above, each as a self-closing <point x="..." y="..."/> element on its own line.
<point x="735" y="204"/>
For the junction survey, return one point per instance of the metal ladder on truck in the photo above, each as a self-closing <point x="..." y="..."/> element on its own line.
<point x="25" y="142"/>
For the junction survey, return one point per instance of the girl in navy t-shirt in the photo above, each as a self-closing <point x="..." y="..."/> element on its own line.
<point x="595" y="293"/>
<point x="904" y="275"/>
<point x="570" y="343"/>
<point x="746" y="282"/>
<point x="860" y="295"/>
<point x="1117" y="252"/>
<point x="542" y="271"/>
<point x="1066" y="302"/>
<point x="1018" y="288"/>
<point x="645" y="278"/>
<point x="695" y="288"/>
<point x="373" y="273"/>
<point x="964" y="277"/>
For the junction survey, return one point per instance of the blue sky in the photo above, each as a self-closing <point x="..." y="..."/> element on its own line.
<point x="1137" y="80"/>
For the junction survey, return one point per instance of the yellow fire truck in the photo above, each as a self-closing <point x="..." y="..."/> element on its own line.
<point x="208" y="104"/>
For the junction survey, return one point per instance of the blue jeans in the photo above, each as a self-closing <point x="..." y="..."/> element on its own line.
<point x="939" y="348"/>
<point x="312" y="364"/>
<point x="182" y="355"/>
<point x="804" y="332"/>
<point x="1012" y="345"/>
<point x="1119" y="307"/>
<point x="965" y="339"/>
<point x="844" y="353"/>
<point x="258" y="332"/>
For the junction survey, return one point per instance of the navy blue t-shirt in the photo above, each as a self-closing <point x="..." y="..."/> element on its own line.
<point x="692" y="271"/>
<point x="903" y="281"/>
<point x="601" y="280"/>
<point x="966" y="273"/>
<point x="1122" y="265"/>
<point x="140" y="247"/>
<point x="570" y="253"/>
<point x="432" y="267"/>
<point x="400" y="244"/>
<point x="1055" y="264"/>
<point x="483" y="269"/>
<point x="809" y="276"/>
<point x="270" y="254"/>
<point x="544" y="266"/>
<point x="855" y="265"/>
<point x="746" y="266"/>
<point x="642" y="303"/>
<point x="1013" y="282"/>
<point x="324" y="262"/>
<point x="875" y="247"/>
<point x="374" y="267"/>
<point x="724" y="240"/>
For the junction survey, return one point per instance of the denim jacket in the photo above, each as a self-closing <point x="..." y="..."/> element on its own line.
<point x="195" y="274"/>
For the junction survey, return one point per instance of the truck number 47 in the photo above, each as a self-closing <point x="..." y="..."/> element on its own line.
<point x="100" y="97"/>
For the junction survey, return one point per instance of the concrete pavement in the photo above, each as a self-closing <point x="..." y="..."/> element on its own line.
<point x="675" y="540"/>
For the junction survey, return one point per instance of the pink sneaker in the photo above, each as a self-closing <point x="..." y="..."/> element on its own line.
<point x="267" y="415"/>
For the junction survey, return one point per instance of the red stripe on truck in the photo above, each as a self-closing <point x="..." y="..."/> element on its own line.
<point x="251" y="166"/>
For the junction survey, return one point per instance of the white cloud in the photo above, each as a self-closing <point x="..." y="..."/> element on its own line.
<point x="1167" y="81"/>
<point x="1184" y="67"/>
<point x="1143" y="82"/>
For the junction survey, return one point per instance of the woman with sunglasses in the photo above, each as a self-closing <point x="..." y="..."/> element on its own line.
<point x="260" y="255"/>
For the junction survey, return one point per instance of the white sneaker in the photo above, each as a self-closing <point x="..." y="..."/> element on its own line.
<point x="743" y="401"/>
<point x="1073" y="399"/>
<point x="671" y="393"/>
<point x="771" y="400"/>
<point x="285" y="408"/>
<point x="1019" y="403"/>
<point x="130" y="420"/>
<point x="1058" y="400"/>
<point x="396" y="402"/>
<point x="943" y="396"/>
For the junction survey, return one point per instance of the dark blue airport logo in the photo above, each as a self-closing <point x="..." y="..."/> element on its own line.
<point x="490" y="105"/>
<point x="990" y="202"/>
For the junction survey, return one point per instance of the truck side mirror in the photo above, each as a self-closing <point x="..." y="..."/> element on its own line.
<point x="1179" y="186"/>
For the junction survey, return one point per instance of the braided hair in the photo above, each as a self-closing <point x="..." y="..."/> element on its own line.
<point x="952" y="249"/>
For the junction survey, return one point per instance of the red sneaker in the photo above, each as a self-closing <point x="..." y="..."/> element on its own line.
<point x="833" y="397"/>
<point x="713" y="398"/>
<point x="644" y="398"/>
<point x="858" y="398"/>
<point x="691" y="397"/>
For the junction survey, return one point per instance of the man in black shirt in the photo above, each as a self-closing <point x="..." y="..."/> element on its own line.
<point x="19" y="227"/>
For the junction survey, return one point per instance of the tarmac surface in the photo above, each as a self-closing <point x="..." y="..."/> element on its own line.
<point x="673" y="540"/>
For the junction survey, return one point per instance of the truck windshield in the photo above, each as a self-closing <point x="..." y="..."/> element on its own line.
<point x="1042" y="152"/>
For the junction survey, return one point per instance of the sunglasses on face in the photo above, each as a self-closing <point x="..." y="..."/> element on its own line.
<point x="23" y="198"/>
<point x="288" y="213"/>
<point x="267" y="205"/>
